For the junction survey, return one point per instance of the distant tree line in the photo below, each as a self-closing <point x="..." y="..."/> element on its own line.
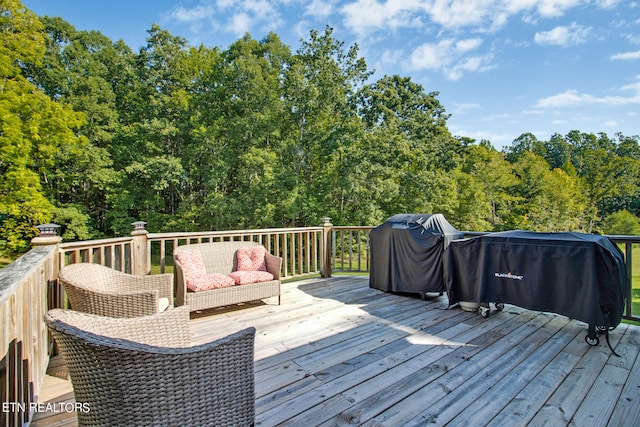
<point x="95" y="136"/>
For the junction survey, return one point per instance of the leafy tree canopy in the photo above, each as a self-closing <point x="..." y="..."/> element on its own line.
<point x="96" y="136"/>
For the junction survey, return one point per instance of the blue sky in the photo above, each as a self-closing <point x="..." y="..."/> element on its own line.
<point x="502" y="67"/>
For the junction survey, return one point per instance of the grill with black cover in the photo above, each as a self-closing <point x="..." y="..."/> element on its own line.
<point x="581" y="276"/>
<point x="406" y="253"/>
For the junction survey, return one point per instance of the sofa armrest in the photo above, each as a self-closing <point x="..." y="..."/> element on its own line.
<point x="162" y="282"/>
<point x="274" y="265"/>
<point x="180" y="283"/>
<point x="130" y="304"/>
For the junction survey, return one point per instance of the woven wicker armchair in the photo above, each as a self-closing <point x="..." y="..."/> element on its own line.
<point x="145" y="372"/>
<point x="96" y="289"/>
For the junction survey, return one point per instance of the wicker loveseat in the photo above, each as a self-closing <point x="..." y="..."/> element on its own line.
<point x="220" y="257"/>
<point x="96" y="289"/>
<point x="145" y="371"/>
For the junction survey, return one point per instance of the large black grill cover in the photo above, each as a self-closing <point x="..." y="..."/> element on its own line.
<point x="581" y="276"/>
<point x="406" y="253"/>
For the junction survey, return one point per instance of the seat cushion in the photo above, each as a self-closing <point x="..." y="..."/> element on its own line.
<point x="163" y="304"/>
<point x="246" y="277"/>
<point x="251" y="258"/>
<point x="211" y="281"/>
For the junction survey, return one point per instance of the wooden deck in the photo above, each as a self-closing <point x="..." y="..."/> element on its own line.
<point x="339" y="353"/>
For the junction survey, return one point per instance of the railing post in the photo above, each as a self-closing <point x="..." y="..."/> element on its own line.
<point x="139" y="249"/>
<point x="326" y="247"/>
<point x="49" y="237"/>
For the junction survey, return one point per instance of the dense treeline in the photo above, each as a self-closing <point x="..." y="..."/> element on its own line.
<point x="95" y="136"/>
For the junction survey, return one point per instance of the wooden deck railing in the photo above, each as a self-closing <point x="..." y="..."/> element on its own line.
<point x="300" y="248"/>
<point x="28" y="287"/>
<point x="25" y="287"/>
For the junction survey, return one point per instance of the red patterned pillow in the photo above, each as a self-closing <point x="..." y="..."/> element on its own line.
<point x="211" y="281"/>
<point x="192" y="267"/>
<point x="246" y="277"/>
<point x="251" y="258"/>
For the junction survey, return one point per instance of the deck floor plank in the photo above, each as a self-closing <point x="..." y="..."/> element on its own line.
<point x="338" y="353"/>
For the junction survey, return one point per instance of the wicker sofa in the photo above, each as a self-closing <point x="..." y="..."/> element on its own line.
<point x="145" y="371"/>
<point x="220" y="257"/>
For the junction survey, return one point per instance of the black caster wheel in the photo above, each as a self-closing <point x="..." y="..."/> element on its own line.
<point x="484" y="312"/>
<point x="592" y="341"/>
<point x="499" y="306"/>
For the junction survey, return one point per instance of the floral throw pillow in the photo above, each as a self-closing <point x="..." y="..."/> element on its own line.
<point x="246" y="277"/>
<point x="251" y="258"/>
<point x="193" y="268"/>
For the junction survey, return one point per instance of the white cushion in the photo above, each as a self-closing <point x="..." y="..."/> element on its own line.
<point x="163" y="304"/>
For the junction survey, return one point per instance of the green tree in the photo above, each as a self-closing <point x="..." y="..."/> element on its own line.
<point x="250" y="124"/>
<point x="319" y="87"/>
<point x="622" y="223"/>
<point x="147" y="148"/>
<point x="489" y="167"/>
<point x="407" y="143"/>
<point x="32" y="128"/>
<point x="551" y="199"/>
<point x="471" y="205"/>
<point x="605" y="174"/>
<point x="527" y="142"/>
<point x="78" y="71"/>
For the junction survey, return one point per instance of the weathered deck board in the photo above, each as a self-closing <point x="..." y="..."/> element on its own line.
<point x="336" y="352"/>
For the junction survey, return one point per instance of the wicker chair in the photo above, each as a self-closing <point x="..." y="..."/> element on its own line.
<point x="145" y="372"/>
<point x="96" y="289"/>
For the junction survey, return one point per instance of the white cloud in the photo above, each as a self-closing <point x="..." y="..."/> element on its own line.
<point x="239" y="24"/>
<point x="241" y="16"/>
<point x="607" y="4"/>
<point x="472" y="64"/>
<point x="572" y="98"/>
<point x="390" y="57"/>
<point x="468" y="44"/>
<point x="198" y="13"/>
<point x="319" y="9"/>
<point x="627" y="55"/>
<point x="224" y="4"/>
<point x="260" y="8"/>
<point x="363" y="16"/>
<point x="432" y="56"/>
<point x="634" y="87"/>
<point x="553" y="8"/>
<point x="460" y="12"/>
<point x="449" y="56"/>
<point x="563" y="36"/>
<point x="462" y="108"/>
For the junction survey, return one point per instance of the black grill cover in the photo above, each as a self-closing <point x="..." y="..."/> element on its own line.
<point x="581" y="276"/>
<point x="406" y="253"/>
